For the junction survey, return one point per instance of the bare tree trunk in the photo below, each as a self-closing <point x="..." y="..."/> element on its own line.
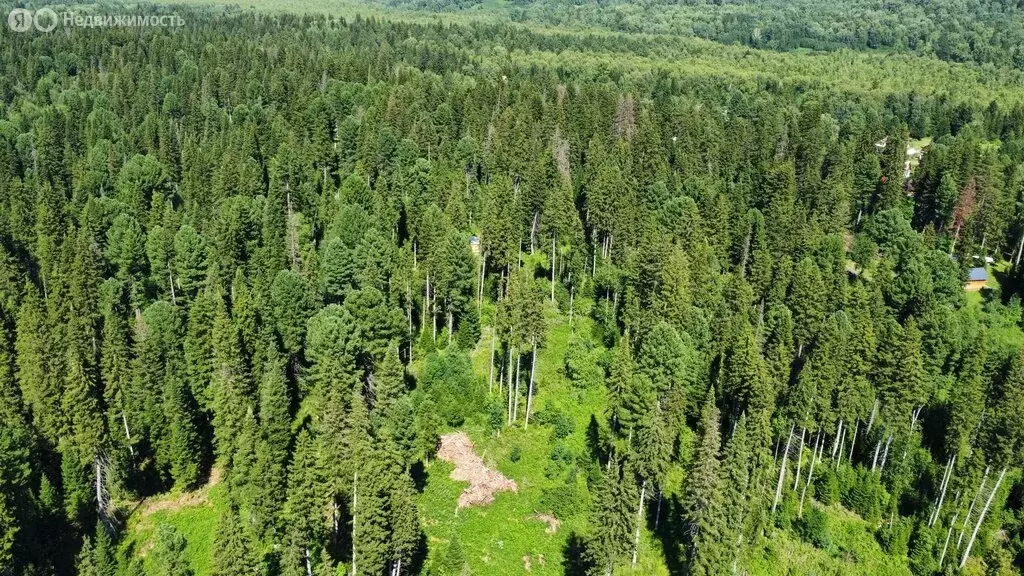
<point x="170" y="280"/>
<point x="408" y="307"/>
<point x="490" y="371"/>
<point x="552" y="268"/>
<point x="480" y="287"/>
<point x="853" y="442"/>
<point x="874" y="461"/>
<point x="810" y="475"/>
<point x="970" y="509"/>
<point x="842" y="444"/>
<point x="426" y="305"/>
<point x="335" y="519"/>
<point x="945" y="545"/>
<point x="942" y="492"/>
<point x="101" y="499"/>
<point x="885" y="454"/>
<point x="510" y="350"/>
<point x="127" y="433"/>
<point x="571" y="295"/>
<point x="835" y="443"/>
<point x="1020" y="248"/>
<point x="657" y="512"/>
<point x="529" y="391"/>
<point x="533" y="231"/>
<point x="309" y="564"/>
<point x="981" y="517"/>
<point x="355" y="483"/>
<point x="799" y="458"/>
<point x="639" y="522"/>
<point x="782" y="469"/>
<point x="871" y="418"/>
<point x="515" y="397"/>
<point x="913" y="422"/>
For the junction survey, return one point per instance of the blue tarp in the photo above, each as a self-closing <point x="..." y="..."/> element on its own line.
<point x="977" y="274"/>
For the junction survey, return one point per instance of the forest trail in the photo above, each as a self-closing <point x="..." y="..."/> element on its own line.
<point x="457" y="448"/>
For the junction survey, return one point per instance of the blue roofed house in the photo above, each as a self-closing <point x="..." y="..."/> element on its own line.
<point x="977" y="278"/>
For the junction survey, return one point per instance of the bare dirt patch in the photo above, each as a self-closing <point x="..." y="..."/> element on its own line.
<point x="484" y="482"/>
<point x="548" y="519"/>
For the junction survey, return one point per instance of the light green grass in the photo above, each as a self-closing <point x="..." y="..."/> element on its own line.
<point x="854" y="552"/>
<point x="197" y="523"/>
<point x="500" y="537"/>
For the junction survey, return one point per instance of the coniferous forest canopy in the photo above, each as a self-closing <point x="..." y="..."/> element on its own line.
<point x="985" y="31"/>
<point x="271" y="284"/>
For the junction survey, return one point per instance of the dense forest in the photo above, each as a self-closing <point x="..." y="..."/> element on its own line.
<point x="982" y="32"/>
<point x="704" y="304"/>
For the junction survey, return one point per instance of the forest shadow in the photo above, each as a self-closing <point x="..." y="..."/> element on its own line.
<point x="419" y="557"/>
<point x="420" y="476"/>
<point x="670" y="533"/>
<point x="1009" y="283"/>
<point x="574" y="556"/>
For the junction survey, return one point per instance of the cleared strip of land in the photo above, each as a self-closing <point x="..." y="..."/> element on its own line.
<point x="484" y="482"/>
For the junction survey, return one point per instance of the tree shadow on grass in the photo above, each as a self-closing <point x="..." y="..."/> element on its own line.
<point x="418" y="473"/>
<point x="574" y="556"/>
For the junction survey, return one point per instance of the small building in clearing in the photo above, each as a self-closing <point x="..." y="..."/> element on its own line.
<point x="977" y="278"/>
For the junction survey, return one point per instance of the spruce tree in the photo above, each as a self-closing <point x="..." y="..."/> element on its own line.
<point x="230" y="393"/>
<point x="612" y="520"/>
<point x="82" y="410"/>
<point x="735" y="483"/>
<point x="233" y="547"/>
<point x="38" y="383"/>
<point x="389" y="382"/>
<point x="189" y="261"/>
<point x="303" y="509"/>
<point x="806" y="300"/>
<point x="198" y="347"/>
<point x="404" y="523"/>
<point x="170" y="557"/>
<point x="186" y="450"/>
<point x="272" y="445"/>
<point x="705" y="538"/>
<point x="290" y="306"/>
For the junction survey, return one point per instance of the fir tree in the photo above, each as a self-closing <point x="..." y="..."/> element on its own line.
<point x="186" y="450"/>
<point x="735" y="483"/>
<point x="705" y="539"/>
<point x="613" y="520"/>
<point x="229" y="387"/>
<point x="303" y="509"/>
<point x="169" y="553"/>
<point x="234" y="553"/>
